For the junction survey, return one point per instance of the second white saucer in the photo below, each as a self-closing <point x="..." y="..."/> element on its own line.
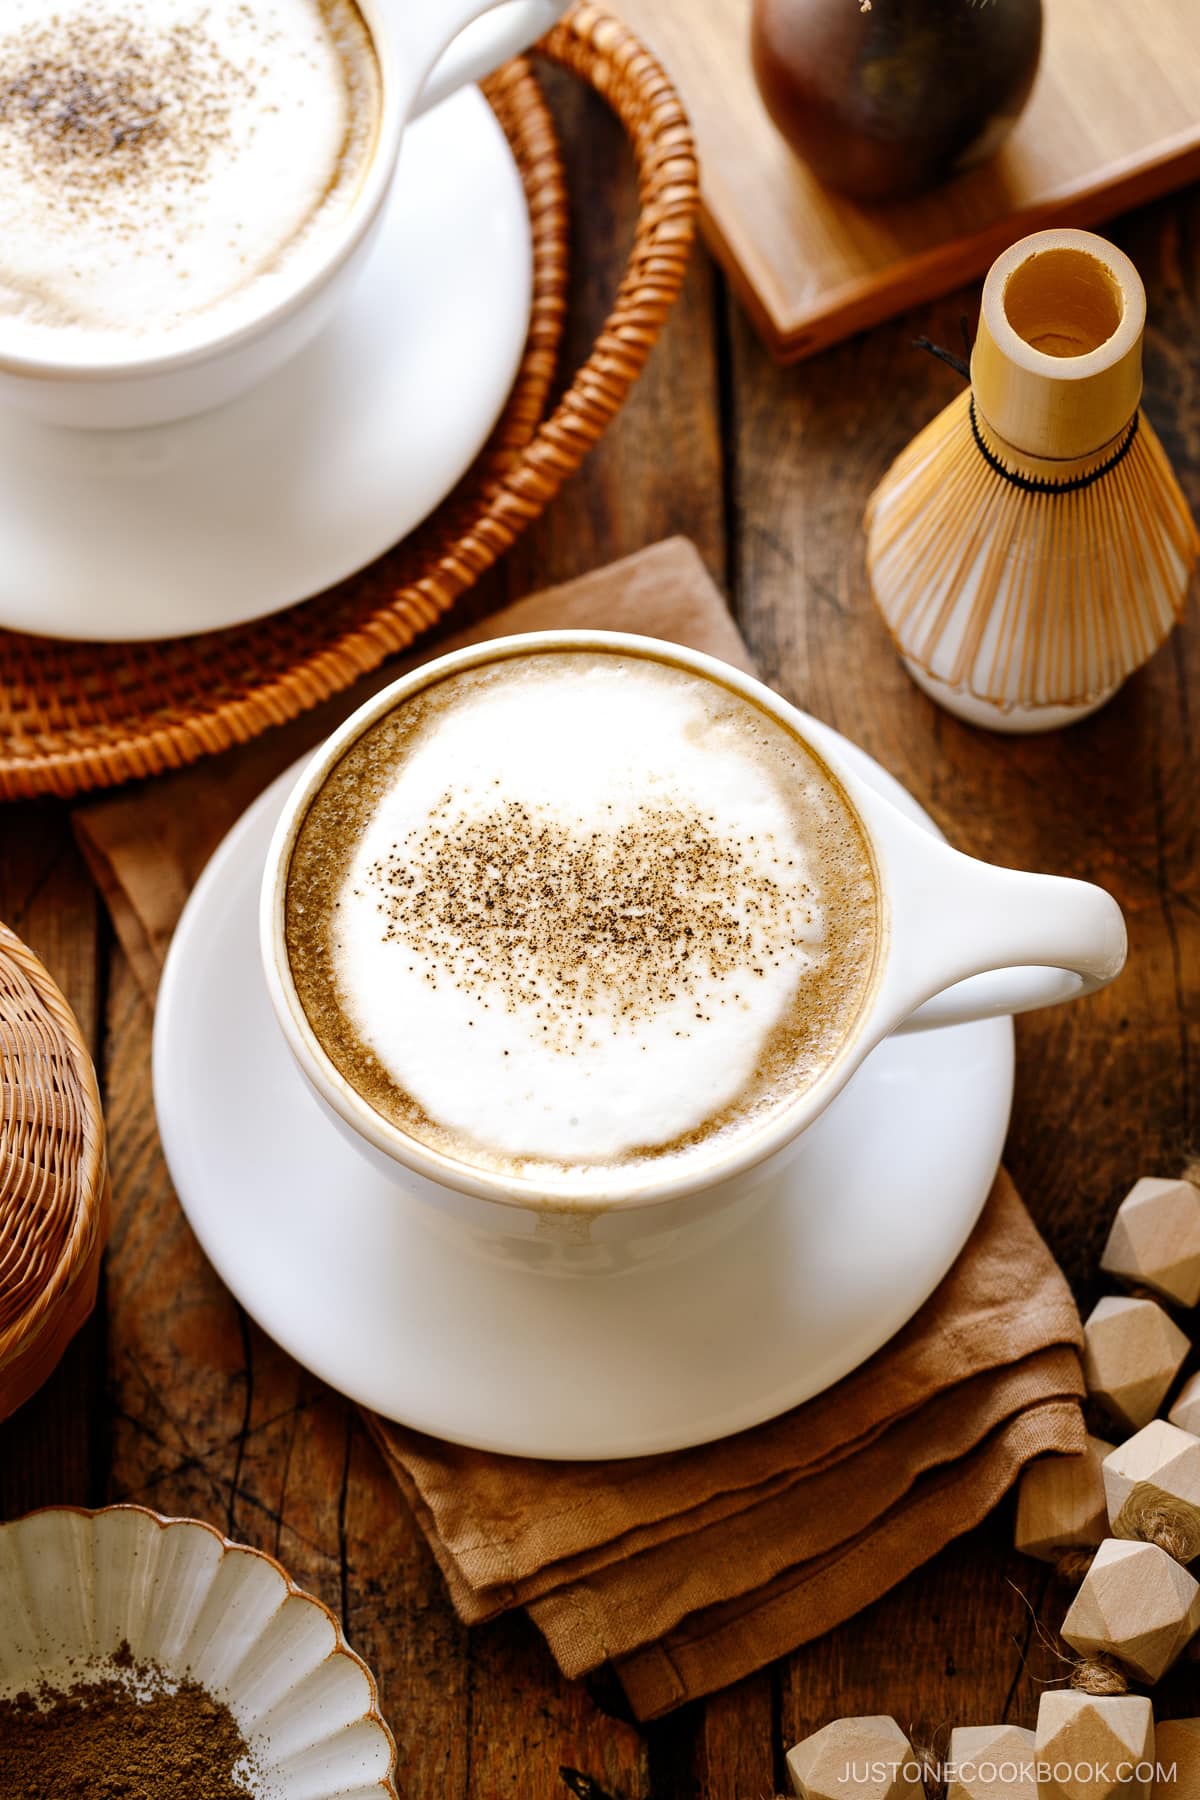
<point x="229" y="516"/>
<point x="352" y="1277"/>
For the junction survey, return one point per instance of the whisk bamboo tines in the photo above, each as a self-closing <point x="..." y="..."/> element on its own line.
<point x="1031" y="547"/>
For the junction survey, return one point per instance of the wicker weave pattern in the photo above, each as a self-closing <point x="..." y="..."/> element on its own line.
<point x="75" y="717"/>
<point x="53" y="1178"/>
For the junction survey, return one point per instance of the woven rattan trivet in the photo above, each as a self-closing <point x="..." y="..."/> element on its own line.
<point x="53" y="1175"/>
<point x="80" y="716"/>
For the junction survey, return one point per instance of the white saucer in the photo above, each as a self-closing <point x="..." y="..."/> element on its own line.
<point x="340" y="1269"/>
<point x="232" y="515"/>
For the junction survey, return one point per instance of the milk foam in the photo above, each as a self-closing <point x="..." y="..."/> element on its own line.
<point x="579" y="909"/>
<point x="159" y="157"/>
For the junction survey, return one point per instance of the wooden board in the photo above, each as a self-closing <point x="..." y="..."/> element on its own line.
<point x="1114" y="120"/>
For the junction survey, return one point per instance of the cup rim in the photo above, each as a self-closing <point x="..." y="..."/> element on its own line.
<point x="313" y="273"/>
<point x="746" y="1150"/>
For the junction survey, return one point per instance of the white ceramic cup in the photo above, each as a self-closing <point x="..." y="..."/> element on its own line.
<point x="959" y="940"/>
<point x="426" y="50"/>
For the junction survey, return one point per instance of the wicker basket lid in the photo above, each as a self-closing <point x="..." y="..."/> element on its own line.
<point x="53" y="1175"/>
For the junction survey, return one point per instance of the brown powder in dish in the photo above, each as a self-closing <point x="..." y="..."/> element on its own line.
<point x="132" y="1734"/>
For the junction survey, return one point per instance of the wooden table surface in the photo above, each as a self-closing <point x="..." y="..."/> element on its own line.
<point x="172" y="1397"/>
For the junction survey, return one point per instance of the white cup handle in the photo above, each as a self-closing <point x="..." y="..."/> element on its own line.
<point x="447" y="43"/>
<point x="999" y="992"/>
<point x="971" y="940"/>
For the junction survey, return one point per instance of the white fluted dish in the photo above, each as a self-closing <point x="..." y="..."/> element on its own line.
<point x="75" y="1585"/>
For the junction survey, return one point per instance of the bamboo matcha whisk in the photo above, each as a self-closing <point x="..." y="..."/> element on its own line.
<point x="1031" y="547"/>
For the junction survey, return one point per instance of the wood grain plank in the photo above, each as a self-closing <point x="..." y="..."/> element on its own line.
<point x="527" y="1723"/>
<point x="736" y="1747"/>
<point x="657" y="471"/>
<point x="47" y="898"/>
<point x="53" y="1450"/>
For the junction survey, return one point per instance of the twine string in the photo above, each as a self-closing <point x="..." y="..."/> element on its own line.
<point x="928" y="1762"/>
<point x="1100" y="1677"/>
<point x="1173" y="1530"/>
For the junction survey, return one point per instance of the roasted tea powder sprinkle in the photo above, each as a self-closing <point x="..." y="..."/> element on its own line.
<point x="90" y="106"/>
<point x="514" y="904"/>
<point x="134" y="1734"/>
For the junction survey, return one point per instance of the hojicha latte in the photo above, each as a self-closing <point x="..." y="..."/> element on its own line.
<point x="577" y="913"/>
<point x="162" y="160"/>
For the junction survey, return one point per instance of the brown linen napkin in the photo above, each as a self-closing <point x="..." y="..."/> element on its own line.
<point x="745" y="1548"/>
<point x="684" y="1571"/>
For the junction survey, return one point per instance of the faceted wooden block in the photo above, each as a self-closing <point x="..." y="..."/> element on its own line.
<point x="1093" y="1749"/>
<point x="1155" y="1239"/>
<point x="992" y="1762"/>
<point x="1178" y="1746"/>
<point x="1186" y="1411"/>
<point x="1136" y="1604"/>
<point x="1061" y="1504"/>
<point x="1153" y="1482"/>
<point x="855" y="1759"/>
<point x="1132" y="1353"/>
